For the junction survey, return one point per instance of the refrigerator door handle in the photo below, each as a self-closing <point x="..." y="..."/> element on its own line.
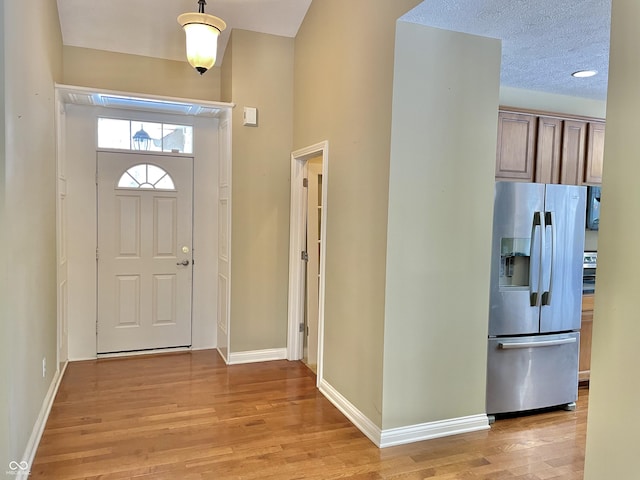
<point x="537" y="245"/>
<point x="535" y="344"/>
<point x="549" y="258"/>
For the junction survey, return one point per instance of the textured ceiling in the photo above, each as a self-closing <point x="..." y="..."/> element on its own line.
<point x="543" y="41"/>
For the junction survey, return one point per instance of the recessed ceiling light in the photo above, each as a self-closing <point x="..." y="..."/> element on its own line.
<point x="584" y="73"/>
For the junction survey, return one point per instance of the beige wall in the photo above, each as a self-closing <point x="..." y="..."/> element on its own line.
<point x="548" y="102"/>
<point x="262" y="77"/>
<point x="441" y="190"/>
<point x="226" y="75"/>
<point x="612" y="444"/>
<point x="29" y="306"/>
<point x="343" y="88"/>
<point x="133" y="73"/>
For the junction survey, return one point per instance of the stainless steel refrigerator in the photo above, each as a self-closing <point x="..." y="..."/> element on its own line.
<point x="536" y="295"/>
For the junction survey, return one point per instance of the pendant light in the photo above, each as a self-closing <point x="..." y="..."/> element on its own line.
<point x="202" y="33"/>
<point x="141" y="140"/>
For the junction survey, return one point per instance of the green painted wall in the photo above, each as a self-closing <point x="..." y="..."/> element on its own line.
<point x="441" y="187"/>
<point x="29" y="246"/>
<point x="613" y="422"/>
<point x="5" y="339"/>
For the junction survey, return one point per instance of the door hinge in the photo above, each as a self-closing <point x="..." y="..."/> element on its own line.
<point x="305" y="182"/>
<point x="97" y="255"/>
<point x="305" y="256"/>
<point x="301" y="328"/>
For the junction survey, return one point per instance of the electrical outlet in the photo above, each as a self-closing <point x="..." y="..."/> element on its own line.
<point x="44" y="367"/>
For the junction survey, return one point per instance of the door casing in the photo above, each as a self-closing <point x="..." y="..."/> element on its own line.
<point x="297" y="232"/>
<point x="78" y="109"/>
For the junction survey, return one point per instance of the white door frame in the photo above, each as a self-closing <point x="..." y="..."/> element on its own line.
<point x="212" y="121"/>
<point x="61" y="236"/>
<point x="297" y="231"/>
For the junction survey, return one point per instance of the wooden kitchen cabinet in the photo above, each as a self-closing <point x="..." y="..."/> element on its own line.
<point x="549" y="143"/>
<point x="595" y="153"/>
<point x="549" y="148"/>
<point x="574" y="142"/>
<point x="515" y="154"/>
<point x="584" y="362"/>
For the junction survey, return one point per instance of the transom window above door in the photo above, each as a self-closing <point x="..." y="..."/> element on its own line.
<point x="115" y="133"/>
<point x="146" y="175"/>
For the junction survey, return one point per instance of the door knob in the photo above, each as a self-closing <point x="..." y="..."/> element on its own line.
<point x="184" y="263"/>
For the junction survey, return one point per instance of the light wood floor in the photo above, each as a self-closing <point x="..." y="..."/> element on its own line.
<point x="190" y="417"/>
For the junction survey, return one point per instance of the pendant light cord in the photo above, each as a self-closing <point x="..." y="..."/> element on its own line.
<point x="201" y="4"/>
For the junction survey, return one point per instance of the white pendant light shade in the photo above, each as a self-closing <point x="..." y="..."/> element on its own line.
<point x="202" y="33"/>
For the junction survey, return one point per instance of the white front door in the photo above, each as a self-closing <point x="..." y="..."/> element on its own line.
<point x="144" y="253"/>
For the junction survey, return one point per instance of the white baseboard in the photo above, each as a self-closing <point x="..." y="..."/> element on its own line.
<point x="355" y="416"/>
<point x="253" y="356"/>
<point x="81" y="359"/>
<point x="223" y="353"/>
<point x="41" y="422"/>
<point x="440" y="428"/>
<point x="202" y="347"/>
<point x="402" y="435"/>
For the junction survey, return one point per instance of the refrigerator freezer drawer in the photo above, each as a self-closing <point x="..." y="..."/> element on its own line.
<point x="527" y="373"/>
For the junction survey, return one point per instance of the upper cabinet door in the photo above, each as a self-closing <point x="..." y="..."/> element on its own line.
<point x="545" y="147"/>
<point x="515" y="154"/>
<point x="574" y="136"/>
<point x="595" y="153"/>
<point x="549" y="145"/>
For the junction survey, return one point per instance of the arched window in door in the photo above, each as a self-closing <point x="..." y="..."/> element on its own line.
<point x="146" y="175"/>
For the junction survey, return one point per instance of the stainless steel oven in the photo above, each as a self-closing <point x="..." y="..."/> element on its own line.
<point x="589" y="262"/>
